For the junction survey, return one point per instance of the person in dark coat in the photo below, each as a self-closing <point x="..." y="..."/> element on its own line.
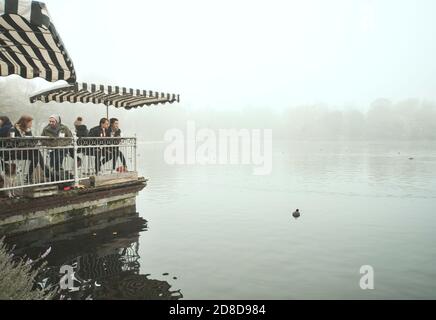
<point x="115" y="131"/>
<point x="81" y="132"/>
<point x="5" y="127"/>
<point x="114" y="128"/>
<point x="101" y="131"/>
<point x="81" y="129"/>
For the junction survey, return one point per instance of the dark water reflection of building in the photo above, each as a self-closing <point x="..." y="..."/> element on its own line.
<point x="104" y="254"/>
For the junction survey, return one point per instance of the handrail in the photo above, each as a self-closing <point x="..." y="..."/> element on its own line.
<point x="62" y="160"/>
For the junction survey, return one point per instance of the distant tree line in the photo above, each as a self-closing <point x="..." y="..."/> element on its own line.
<point x="410" y="119"/>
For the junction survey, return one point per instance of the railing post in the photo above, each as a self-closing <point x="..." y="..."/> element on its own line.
<point x="76" y="169"/>
<point x="135" y="154"/>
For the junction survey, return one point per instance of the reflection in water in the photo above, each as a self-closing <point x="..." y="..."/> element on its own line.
<point x="104" y="254"/>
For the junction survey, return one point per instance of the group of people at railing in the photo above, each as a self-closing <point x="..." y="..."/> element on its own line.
<point x="57" y="130"/>
<point x="105" y="129"/>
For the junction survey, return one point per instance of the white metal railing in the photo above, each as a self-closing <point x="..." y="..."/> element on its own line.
<point x="36" y="161"/>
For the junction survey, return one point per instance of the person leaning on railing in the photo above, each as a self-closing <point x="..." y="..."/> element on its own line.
<point x="81" y="132"/>
<point x="101" y="154"/>
<point x="115" y="132"/>
<point x="23" y="129"/>
<point x="55" y="129"/>
<point x="81" y="129"/>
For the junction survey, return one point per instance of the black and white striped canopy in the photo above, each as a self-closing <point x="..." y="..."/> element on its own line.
<point x="29" y="44"/>
<point x="108" y="95"/>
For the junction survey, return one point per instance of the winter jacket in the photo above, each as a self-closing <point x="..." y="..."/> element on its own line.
<point x="54" y="132"/>
<point x="5" y="130"/>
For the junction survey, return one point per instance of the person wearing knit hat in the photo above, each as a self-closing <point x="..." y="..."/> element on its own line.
<point x="55" y="129"/>
<point x="55" y="119"/>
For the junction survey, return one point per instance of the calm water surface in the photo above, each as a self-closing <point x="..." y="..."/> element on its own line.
<point x="219" y="232"/>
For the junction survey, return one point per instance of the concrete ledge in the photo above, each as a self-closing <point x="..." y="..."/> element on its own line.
<point x="18" y="216"/>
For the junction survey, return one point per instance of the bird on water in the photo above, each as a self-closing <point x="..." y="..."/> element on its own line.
<point x="296" y="214"/>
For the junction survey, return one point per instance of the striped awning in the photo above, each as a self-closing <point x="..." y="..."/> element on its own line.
<point x="108" y="95"/>
<point x="29" y="44"/>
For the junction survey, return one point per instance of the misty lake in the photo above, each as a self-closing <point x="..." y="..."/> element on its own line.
<point x="219" y="232"/>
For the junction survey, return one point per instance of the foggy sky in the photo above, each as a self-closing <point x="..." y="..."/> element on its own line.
<point x="237" y="54"/>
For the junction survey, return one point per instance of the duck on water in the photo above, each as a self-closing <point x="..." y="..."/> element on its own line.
<point x="297" y="214"/>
